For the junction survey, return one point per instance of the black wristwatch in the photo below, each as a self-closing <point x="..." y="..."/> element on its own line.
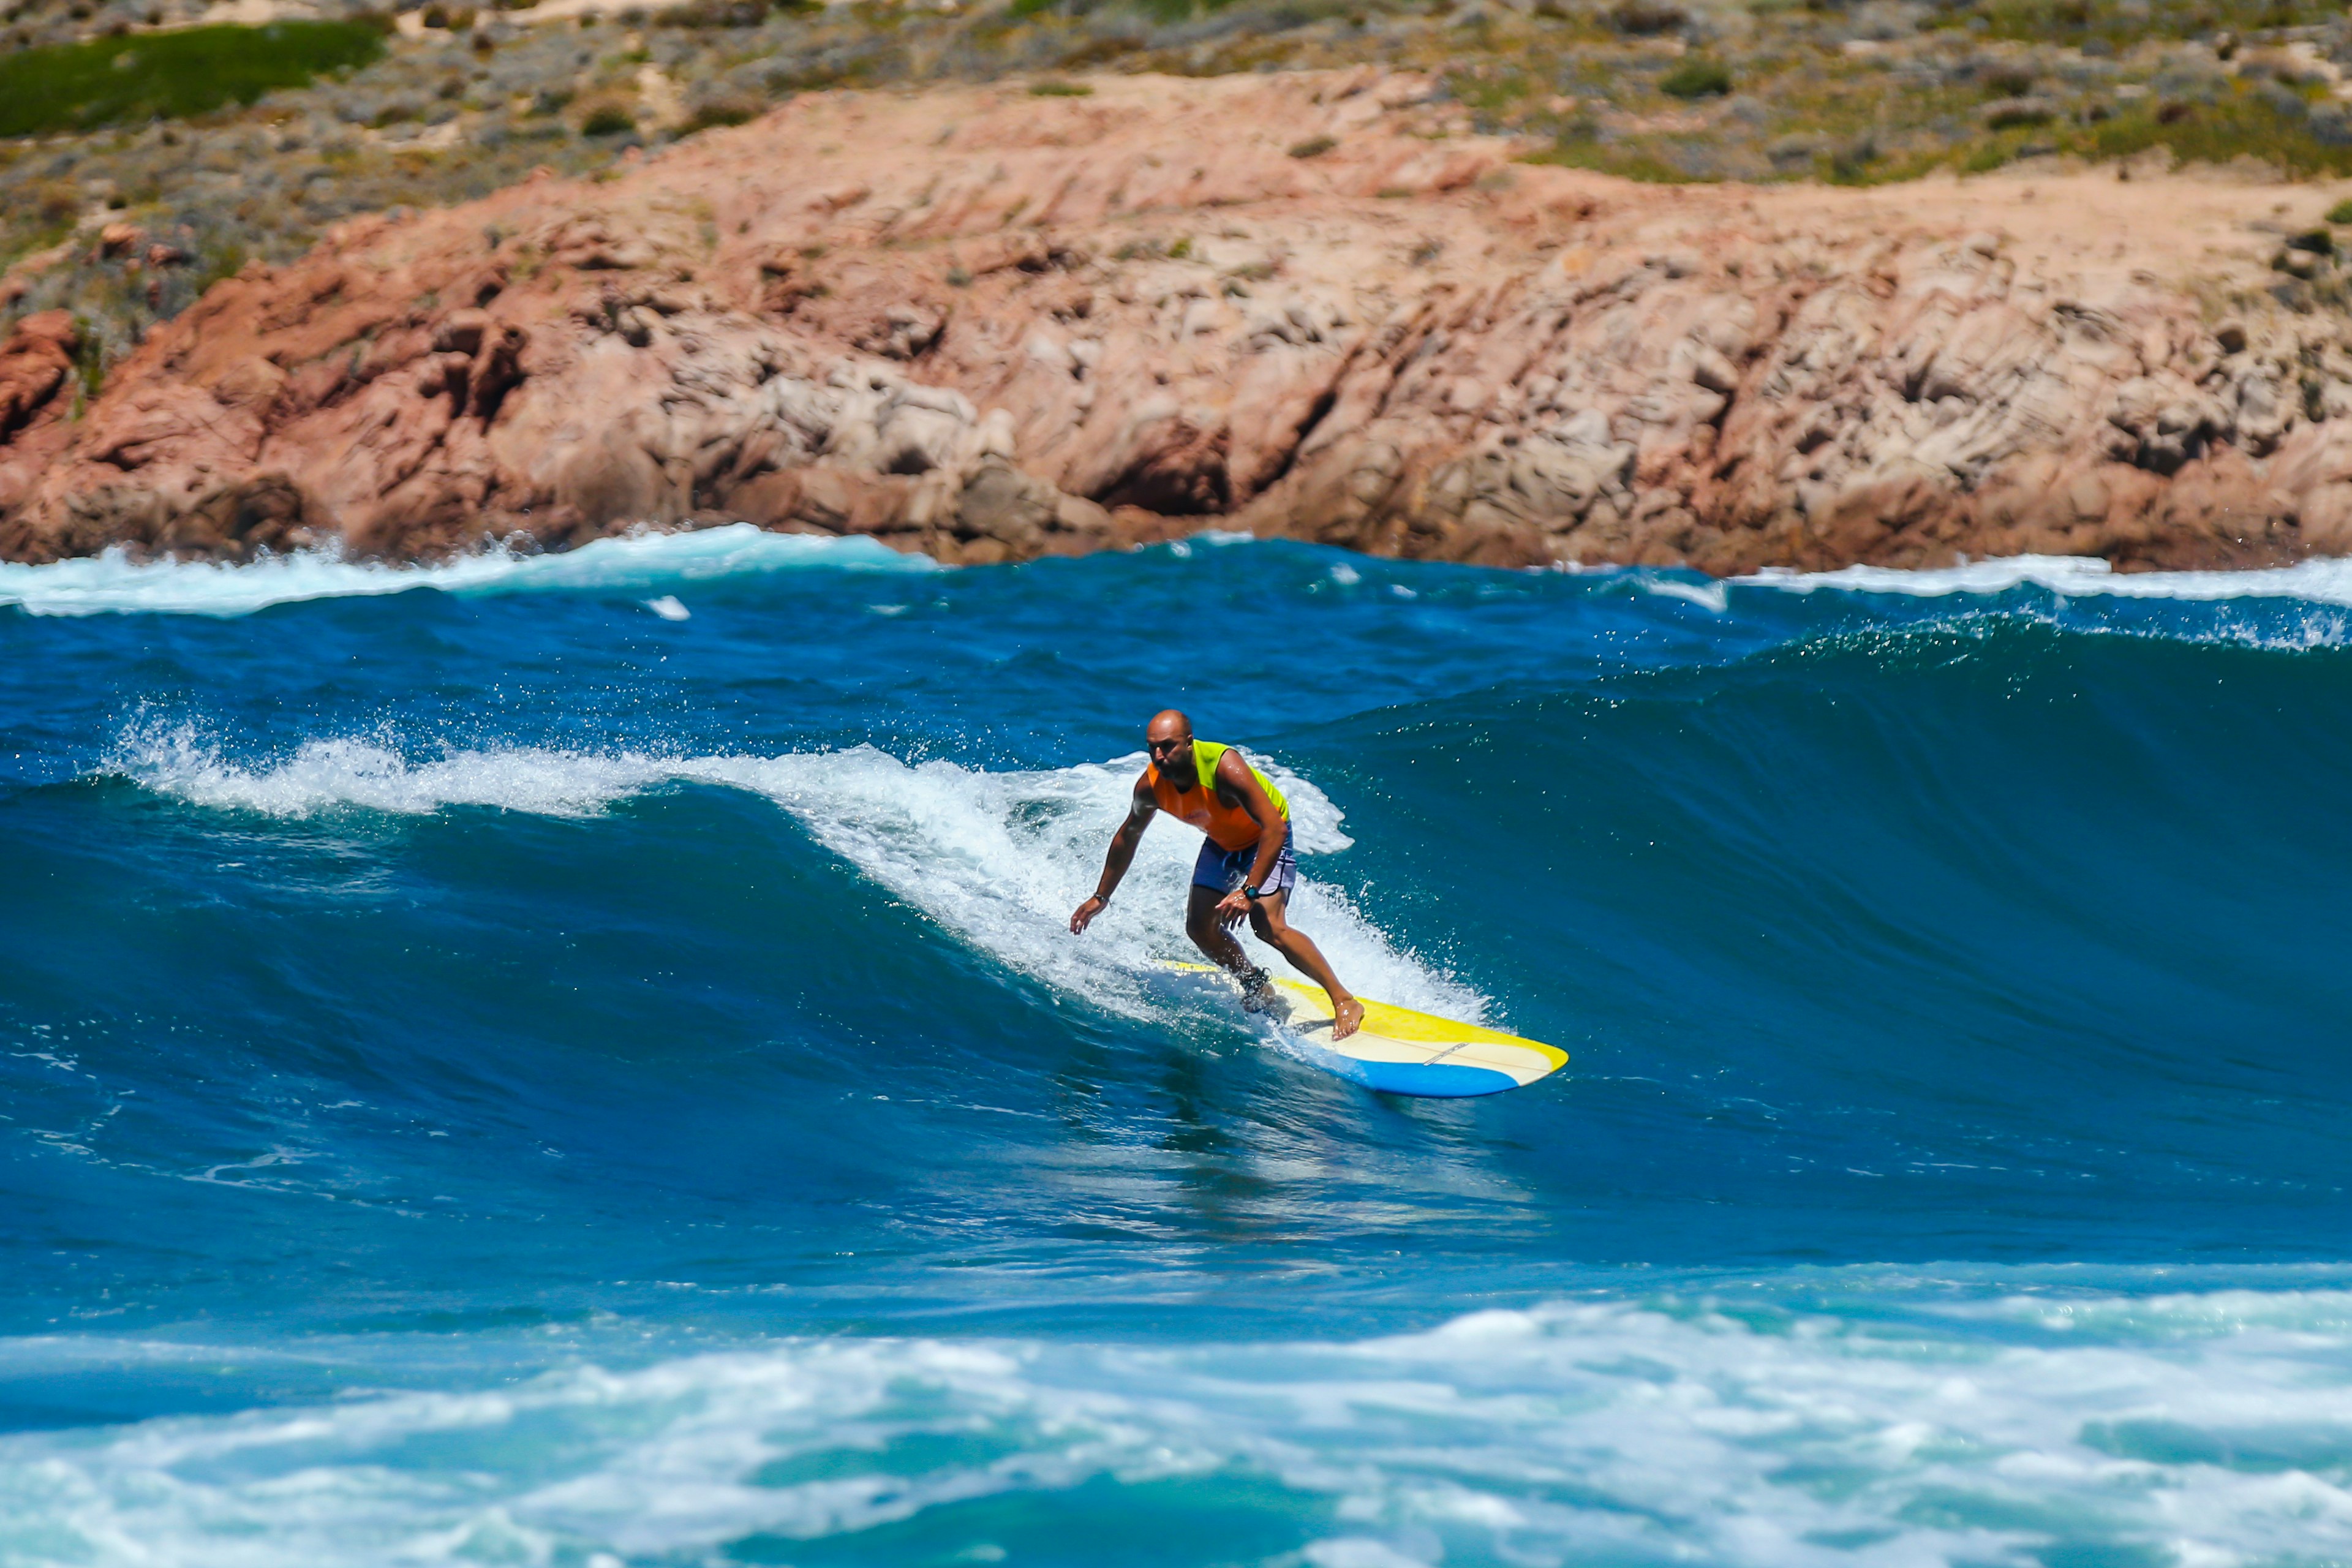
<point x="1251" y="893"/>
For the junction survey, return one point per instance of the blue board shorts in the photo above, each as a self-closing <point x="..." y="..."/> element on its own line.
<point x="1223" y="872"/>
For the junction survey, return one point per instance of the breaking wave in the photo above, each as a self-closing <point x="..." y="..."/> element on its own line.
<point x="1001" y="859"/>
<point x="635" y="563"/>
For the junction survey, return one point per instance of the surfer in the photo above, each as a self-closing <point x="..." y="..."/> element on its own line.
<point x="1246" y="868"/>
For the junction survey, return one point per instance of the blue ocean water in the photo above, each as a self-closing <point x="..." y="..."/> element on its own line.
<point x="579" y="1061"/>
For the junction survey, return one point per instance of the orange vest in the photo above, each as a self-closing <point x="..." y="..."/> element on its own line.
<point x="1230" y="827"/>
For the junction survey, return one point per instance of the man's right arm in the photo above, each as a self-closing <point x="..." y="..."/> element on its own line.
<point x="1122" y="855"/>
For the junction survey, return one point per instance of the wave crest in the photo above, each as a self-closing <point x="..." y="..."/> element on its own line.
<point x="999" y="858"/>
<point x="635" y="563"/>
<point x="2318" y="582"/>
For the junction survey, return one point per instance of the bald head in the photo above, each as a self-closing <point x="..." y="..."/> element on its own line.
<point x="1168" y="738"/>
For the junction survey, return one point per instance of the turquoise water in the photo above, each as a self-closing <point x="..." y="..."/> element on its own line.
<point x="580" y="1061"/>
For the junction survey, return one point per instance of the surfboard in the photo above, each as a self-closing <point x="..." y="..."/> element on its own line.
<point x="1400" y="1051"/>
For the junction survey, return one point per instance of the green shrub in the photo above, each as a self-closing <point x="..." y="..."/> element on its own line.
<point x="90" y="359"/>
<point x="2340" y="213"/>
<point x="55" y="202"/>
<point x="609" y="121"/>
<point x="1313" y="147"/>
<point x="714" y="14"/>
<point x="2239" y="126"/>
<point x="2016" y="112"/>
<point x="71" y="86"/>
<point x="2007" y="81"/>
<point x="1060" y="89"/>
<point x="42" y="216"/>
<point x="225" y="260"/>
<point x="719" y="111"/>
<point x="2116" y="25"/>
<point x="1698" y="78"/>
<point x="1852" y="164"/>
<point x="1646" y="18"/>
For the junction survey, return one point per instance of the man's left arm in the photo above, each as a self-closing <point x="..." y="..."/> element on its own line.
<point x="1273" y="827"/>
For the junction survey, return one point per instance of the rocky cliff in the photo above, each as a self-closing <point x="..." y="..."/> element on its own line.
<point x="989" y="324"/>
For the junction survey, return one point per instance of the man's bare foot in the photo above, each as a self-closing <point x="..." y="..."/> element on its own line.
<point x="1347" y="1017"/>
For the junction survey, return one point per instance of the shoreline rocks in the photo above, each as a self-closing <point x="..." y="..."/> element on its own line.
<point x="990" y="325"/>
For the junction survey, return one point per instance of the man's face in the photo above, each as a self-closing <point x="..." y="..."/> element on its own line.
<point x="1171" y="749"/>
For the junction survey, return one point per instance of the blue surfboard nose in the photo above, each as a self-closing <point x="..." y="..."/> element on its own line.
<point x="1430" y="1080"/>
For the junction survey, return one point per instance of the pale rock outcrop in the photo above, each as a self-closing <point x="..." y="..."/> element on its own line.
<point x="990" y="326"/>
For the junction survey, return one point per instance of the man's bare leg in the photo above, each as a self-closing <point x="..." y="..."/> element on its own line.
<point x="1209" y="935"/>
<point x="1268" y="918"/>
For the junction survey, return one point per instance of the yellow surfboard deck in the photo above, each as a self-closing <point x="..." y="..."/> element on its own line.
<point x="1401" y="1051"/>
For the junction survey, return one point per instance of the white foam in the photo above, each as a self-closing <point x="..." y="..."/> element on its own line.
<point x="1715" y="596"/>
<point x="1001" y="859"/>
<point x="324" y="776"/>
<point x="636" y="565"/>
<point x="2322" y="582"/>
<point x="1659" y="1430"/>
<point x="644" y="562"/>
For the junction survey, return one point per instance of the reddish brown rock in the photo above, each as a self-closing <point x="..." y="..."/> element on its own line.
<point x="990" y="325"/>
<point x="36" y="362"/>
